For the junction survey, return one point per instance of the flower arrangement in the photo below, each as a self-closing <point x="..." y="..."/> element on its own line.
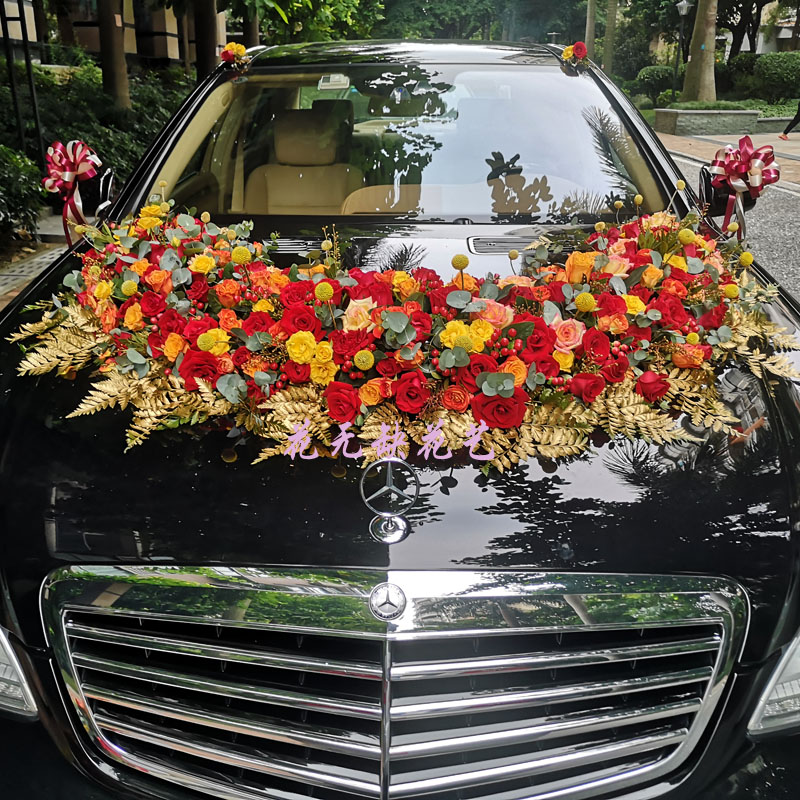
<point x="575" y="55"/>
<point x="235" y="54"/>
<point x="192" y="324"/>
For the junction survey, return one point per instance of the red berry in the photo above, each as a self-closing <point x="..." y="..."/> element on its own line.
<point x="518" y="344"/>
<point x="348" y="365"/>
<point x="280" y="385"/>
<point x="372" y="345"/>
<point x="505" y="351"/>
<point x="512" y="332"/>
<point x="435" y="362"/>
<point x="283" y="377"/>
<point x="353" y="375"/>
<point x="168" y="371"/>
<point x="504" y="342"/>
<point x="273" y="365"/>
<point x="200" y="305"/>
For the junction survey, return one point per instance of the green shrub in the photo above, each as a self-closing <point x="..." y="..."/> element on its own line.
<point x="778" y="75"/>
<point x="743" y="64"/>
<point x="703" y="105"/>
<point x="21" y="193"/>
<point x="631" y="49"/>
<point x="653" y="80"/>
<point x="667" y="98"/>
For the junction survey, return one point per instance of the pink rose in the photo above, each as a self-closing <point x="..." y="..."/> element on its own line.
<point x="569" y="334"/>
<point x="496" y="314"/>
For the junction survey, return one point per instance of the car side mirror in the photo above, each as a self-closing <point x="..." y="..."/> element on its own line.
<point x="716" y="198"/>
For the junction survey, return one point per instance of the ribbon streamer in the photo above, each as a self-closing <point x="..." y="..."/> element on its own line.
<point x="67" y="166"/>
<point x="743" y="170"/>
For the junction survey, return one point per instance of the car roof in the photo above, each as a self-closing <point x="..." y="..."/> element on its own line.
<point x="422" y="52"/>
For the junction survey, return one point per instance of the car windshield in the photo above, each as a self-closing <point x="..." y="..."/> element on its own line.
<point x="437" y="143"/>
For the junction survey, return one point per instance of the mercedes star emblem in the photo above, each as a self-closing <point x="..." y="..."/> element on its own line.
<point x="387" y="601"/>
<point x="397" y="491"/>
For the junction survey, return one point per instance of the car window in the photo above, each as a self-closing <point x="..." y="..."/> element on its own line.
<point x="441" y="143"/>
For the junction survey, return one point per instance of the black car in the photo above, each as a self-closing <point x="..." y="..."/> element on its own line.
<point x="623" y="625"/>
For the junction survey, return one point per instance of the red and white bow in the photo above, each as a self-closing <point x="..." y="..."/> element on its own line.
<point x="67" y="166"/>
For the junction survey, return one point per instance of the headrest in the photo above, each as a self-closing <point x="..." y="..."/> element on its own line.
<point x="340" y="110"/>
<point x="306" y="138"/>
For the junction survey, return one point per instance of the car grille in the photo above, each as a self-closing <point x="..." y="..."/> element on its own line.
<point x="239" y="708"/>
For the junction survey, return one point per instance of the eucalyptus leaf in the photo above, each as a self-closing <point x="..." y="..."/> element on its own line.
<point x="475" y="306"/>
<point x="141" y="369"/>
<point x="695" y="266"/>
<point x="212" y="229"/>
<point x="618" y="285"/>
<point x="169" y="260"/>
<point x="447" y="359"/>
<point x="181" y="276"/>
<point x="489" y="290"/>
<point x="134" y="356"/>
<point x="395" y="321"/>
<point x="458" y="298"/>
<point x="461" y="357"/>
<point x="232" y="387"/>
<point x="550" y="312"/>
<point x="656" y="258"/>
<point x="724" y="333"/>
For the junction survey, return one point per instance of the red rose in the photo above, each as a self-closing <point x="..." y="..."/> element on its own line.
<point x="240" y="356"/>
<point x="639" y="334"/>
<point x="228" y="56"/>
<point x="171" y="322"/>
<point x="596" y="346"/>
<point x="410" y="392"/>
<point x="299" y="317"/>
<point x="540" y="343"/>
<point x="296" y="292"/>
<point x="500" y="412"/>
<point x="427" y="278"/>
<point x="198" y="291"/>
<point x="422" y="324"/>
<point x="678" y="274"/>
<point x="673" y="314"/>
<point x="557" y="291"/>
<point x="152" y="304"/>
<point x="257" y="321"/>
<point x="548" y="366"/>
<point x="652" y="386"/>
<point x="388" y="367"/>
<point x="155" y="343"/>
<point x="198" y="364"/>
<point x="713" y="318"/>
<point x="297" y="373"/>
<point x="196" y="327"/>
<point x="478" y="362"/>
<point x="344" y="404"/>
<point x="456" y="398"/>
<point x="587" y="386"/>
<point x="381" y="293"/>
<point x="642" y="292"/>
<point x="616" y="370"/>
<point x="579" y="50"/>
<point x="438" y="298"/>
<point x="347" y="343"/>
<point x="609" y="304"/>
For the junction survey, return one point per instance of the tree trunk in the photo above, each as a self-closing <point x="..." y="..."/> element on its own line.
<point x="42" y="25"/>
<point x="251" y="33"/>
<point x="755" y="27"/>
<point x="66" y="34"/>
<point x="611" y="35"/>
<point x="112" y="52"/>
<point x="186" y="55"/>
<point x="205" y="36"/>
<point x="737" y="38"/>
<point x="589" y="35"/>
<point x="796" y="28"/>
<point x="699" y="81"/>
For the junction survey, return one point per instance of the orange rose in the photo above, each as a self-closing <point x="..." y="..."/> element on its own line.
<point x="160" y="280"/>
<point x="616" y="324"/>
<point x="255" y="364"/>
<point x="651" y="276"/>
<point x="228" y="319"/>
<point x="228" y="292"/>
<point x="469" y="285"/>
<point x="133" y="317"/>
<point x="516" y="367"/>
<point x="579" y="266"/>
<point x="410" y="306"/>
<point x="496" y="314"/>
<point x="225" y="364"/>
<point x="277" y="280"/>
<point x="174" y="345"/>
<point x="456" y="398"/>
<point x="385" y="277"/>
<point x="688" y="356"/>
<point x="222" y="257"/>
<point x="140" y="267"/>
<point x="406" y="288"/>
<point x="372" y="392"/>
<point x="407" y="363"/>
<point x="107" y="311"/>
<point x="674" y="287"/>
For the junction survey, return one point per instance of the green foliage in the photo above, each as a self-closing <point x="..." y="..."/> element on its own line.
<point x="778" y="75"/>
<point x="667" y="99"/>
<point x="439" y="19"/>
<point x="322" y="20"/>
<point x="631" y="48"/>
<point x="21" y="194"/>
<point x="743" y="64"/>
<point x="653" y="80"/>
<point x="73" y="106"/>
<point x="764" y="107"/>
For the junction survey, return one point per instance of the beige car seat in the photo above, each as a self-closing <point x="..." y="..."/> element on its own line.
<point x="306" y="178"/>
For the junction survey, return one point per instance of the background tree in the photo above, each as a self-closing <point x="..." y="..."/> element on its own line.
<point x="440" y="19"/>
<point x="252" y="13"/>
<point x="610" y="37"/>
<point x="112" y="52"/>
<point x="743" y="19"/>
<point x="62" y="9"/>
<point x="591" y="21"/>
<point x="205" y="36"/>
<point x="699" y="81"/>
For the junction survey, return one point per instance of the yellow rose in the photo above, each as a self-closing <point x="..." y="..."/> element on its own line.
<point x="565" y="360"/>
<point x="141" y="266"/>
<point x="174" y="345"/>
<point x="301" y="347"/>
<point x="133" y="317"/>
<point x="323" y="372"/>
<point x="452" y="331"/>
<point x="264" y="305"/>
<point x="151" y="211"/>
<point x="515" y="366"/>
<point x="616" y="266"/>
<point x="481" y="330"/>
<point x="567" y="53"/>
<point x="651" y="276"/>
<point x="398" y="276"/>
<point x="202" y="264"/>
<point x="148" y="223"/>
<point x="357" y="315"/>
<point x="324" y="352"/>
<point x="579" y="266"/>
<point x="677" y="261"/>
<point x="103" y="290"/>
<point x="634" y="304"/>
<point x="215" y="341"/>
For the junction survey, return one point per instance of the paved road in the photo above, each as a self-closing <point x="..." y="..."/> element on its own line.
<point x="773" y="227"/>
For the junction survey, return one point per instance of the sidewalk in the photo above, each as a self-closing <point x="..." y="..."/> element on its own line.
<point x="704" y="148"/>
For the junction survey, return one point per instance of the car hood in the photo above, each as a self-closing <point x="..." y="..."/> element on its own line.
<point x="71" y="495"/>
